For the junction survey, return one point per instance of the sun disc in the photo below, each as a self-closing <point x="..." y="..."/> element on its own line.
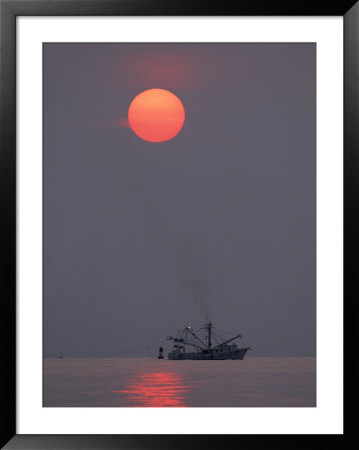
<point x="156" y="115"/>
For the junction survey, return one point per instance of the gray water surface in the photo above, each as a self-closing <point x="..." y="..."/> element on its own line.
<point x="150" y="382"/>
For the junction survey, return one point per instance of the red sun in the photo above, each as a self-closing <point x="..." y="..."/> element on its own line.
<point x="156" y="115"/>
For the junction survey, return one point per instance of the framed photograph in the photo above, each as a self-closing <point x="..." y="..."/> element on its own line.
<point x="173" y="188"/>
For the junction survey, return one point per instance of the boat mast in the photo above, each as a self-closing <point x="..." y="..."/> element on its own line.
<point x="209" y="335"/>
<point x="209" y="331"/>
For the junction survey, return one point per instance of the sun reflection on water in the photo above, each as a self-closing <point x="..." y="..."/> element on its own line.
<point x="157" y="389"/>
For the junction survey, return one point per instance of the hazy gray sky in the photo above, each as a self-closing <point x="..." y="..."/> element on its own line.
<point x="139" y="237"/>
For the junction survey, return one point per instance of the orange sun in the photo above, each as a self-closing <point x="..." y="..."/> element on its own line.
<point x="156" y="115"/>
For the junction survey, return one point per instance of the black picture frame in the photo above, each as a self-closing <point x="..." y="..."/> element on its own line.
<point x="9" y="10"/>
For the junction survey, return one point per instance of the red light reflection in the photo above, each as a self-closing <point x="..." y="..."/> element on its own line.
<point x="155" y="390"/>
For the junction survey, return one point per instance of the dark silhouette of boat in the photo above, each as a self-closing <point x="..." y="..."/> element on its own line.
<point x="205" y="344"/>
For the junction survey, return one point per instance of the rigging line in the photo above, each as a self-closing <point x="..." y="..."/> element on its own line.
<point x="218" y="336"/>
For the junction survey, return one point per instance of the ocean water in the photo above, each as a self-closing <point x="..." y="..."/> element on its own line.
<point x="150" y="382"/>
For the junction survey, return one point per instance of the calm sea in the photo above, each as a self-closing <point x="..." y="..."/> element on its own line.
<point x="139" y="382"/>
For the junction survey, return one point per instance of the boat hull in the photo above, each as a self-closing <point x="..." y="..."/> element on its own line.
<point x="234" y="354"/>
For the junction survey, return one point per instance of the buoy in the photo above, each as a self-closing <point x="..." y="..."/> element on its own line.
<point x="160" y="356"/>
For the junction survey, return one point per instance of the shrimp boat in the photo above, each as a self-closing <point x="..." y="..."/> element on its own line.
<point x="205" y="344"/>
